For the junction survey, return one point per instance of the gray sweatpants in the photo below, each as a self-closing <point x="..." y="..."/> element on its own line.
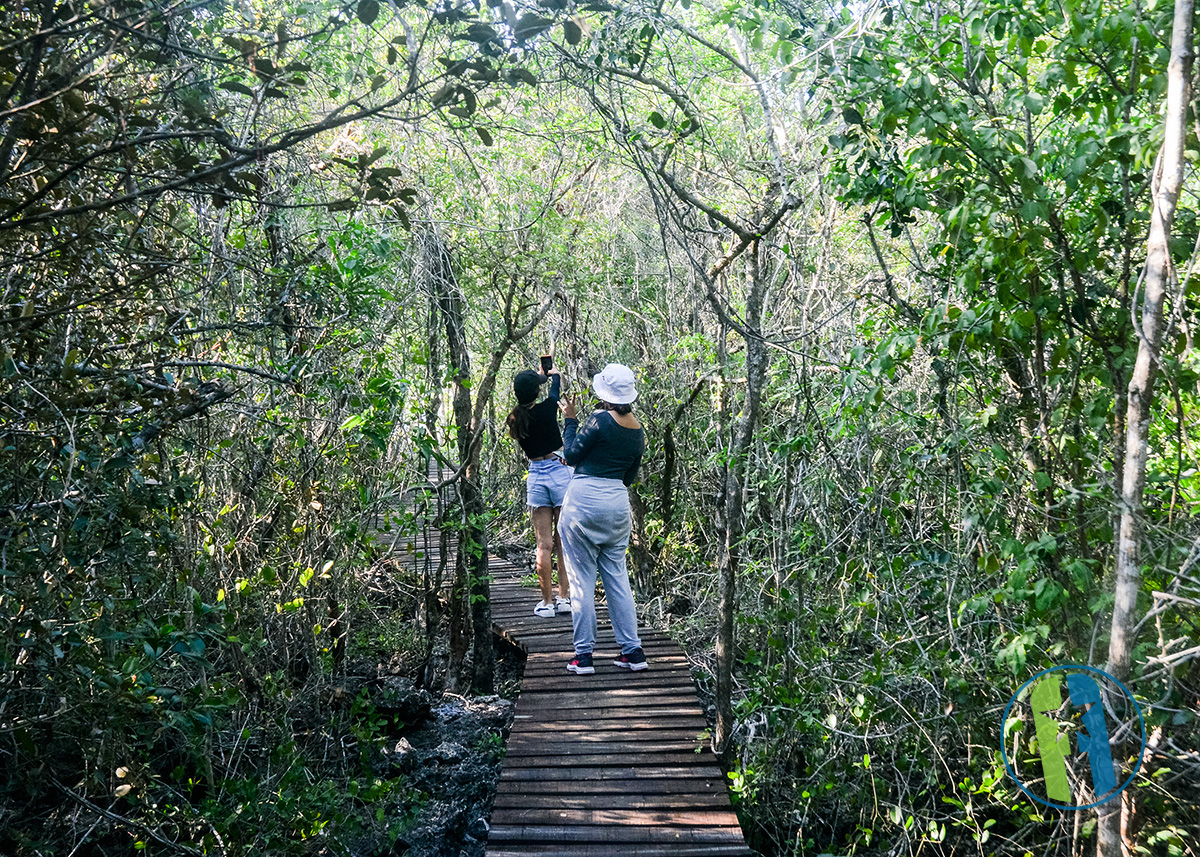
<point x="594" y="528"/>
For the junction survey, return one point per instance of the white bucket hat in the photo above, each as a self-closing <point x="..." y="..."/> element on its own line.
<point x="615" y="384"/>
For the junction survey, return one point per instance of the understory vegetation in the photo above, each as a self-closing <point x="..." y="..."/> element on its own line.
<point x="886" y="274"/>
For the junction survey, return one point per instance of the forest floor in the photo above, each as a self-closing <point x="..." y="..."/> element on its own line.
<point x="448" y="750"/>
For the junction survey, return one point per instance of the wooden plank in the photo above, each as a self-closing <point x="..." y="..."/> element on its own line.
<point x="582" y="692"/>
<point x="630" y="730"/>
<point x="553" y="661"/>
<point x="558" y="628"/>
<point x="659" y="669"/>
<point x="614" y="833"/>
<point x="615" y="772"/>
<point x="532" y="726"/>
<point x="638" y="747"/>
<point x="579" y="699"/>
<point x="692" y="819"/>
<point x="566" y="728"/>
<point x="645" y="758"/>
<point x="521" y="620"/>
<point x="603" y="662"/>
<point x="519" y="605"/>
<point x="606" y="738"/>
<point x="568" y="715"/>
<point x="616" y="800"/>
<point x="555" y="708"/>
<point x="606" y="791"/>
<point x="613" y="696"/>
<point x="627" y="850"/>
<point x="608" y="676"/>
<point x="601" y="682"/>
<point x="605" y="649"/>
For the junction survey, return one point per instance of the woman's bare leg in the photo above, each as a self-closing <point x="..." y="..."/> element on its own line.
<point x="543" y="528"/>
<point x="564" y="584"/>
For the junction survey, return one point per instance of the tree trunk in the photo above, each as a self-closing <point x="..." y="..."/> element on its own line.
<point x="666" y="490"/>
<point x="479" y="589"/>
<point x="756" y="367"/>
<point x="640" y="549"/>
<point x="431" y="580"/>
<point x="1157" y="276"/>
<point x="472" y="545"/>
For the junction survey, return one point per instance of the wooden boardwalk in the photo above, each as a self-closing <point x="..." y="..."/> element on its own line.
<point x="604" y="765"/>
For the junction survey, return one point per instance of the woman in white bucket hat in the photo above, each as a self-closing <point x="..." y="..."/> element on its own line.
<point x="605" y="451"/>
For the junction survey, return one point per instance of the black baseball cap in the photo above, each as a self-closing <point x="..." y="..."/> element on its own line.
<point x="526" y="386"/>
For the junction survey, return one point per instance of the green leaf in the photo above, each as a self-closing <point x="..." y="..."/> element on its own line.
<point x="380" y="174"/>
<point x="264" y="68"/>
<point x="468" y="97"/>
<point x="657" y="120"/>
<point x="572" y="32"/>
<point x="522" y="74"/>
<point x="368" y="11"/>
<point x="852" y="116"/>
<point x="480" y="33"/>
<point x="485" y="136"/>
<point x="531" y="25"/>
<point x="366" y="161"/>
<point x="234" y="86"/>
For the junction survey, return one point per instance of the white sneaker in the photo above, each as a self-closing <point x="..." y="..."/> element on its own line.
<point x="562" y="605"/>
<point x="544" y="610"/>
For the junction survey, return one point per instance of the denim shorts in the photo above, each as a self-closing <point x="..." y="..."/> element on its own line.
<point x="547" y="482"/>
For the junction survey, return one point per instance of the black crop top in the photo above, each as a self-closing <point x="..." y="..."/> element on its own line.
<point x="544" y="436"/>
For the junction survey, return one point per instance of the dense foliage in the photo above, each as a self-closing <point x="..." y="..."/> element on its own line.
<point x="269" y="265"/>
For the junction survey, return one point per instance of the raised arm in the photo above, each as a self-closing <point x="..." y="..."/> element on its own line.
<point x="578" y="440"/>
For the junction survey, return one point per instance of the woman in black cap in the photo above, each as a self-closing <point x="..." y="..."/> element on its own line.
<point x="534" y="425"/>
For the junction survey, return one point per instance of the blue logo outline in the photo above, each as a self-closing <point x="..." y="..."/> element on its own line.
<point x="1004" y="737"/>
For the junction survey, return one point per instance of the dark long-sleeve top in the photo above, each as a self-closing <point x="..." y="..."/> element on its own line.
<point x="544" y="436"/>
<point x="603" y="447"/>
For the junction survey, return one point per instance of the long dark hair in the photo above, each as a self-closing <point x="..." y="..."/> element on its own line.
<point x="519" y="422"/>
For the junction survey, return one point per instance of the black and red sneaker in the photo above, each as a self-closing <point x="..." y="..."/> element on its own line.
<point x="634" y="660"/>
<point x="582" y="664"/>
